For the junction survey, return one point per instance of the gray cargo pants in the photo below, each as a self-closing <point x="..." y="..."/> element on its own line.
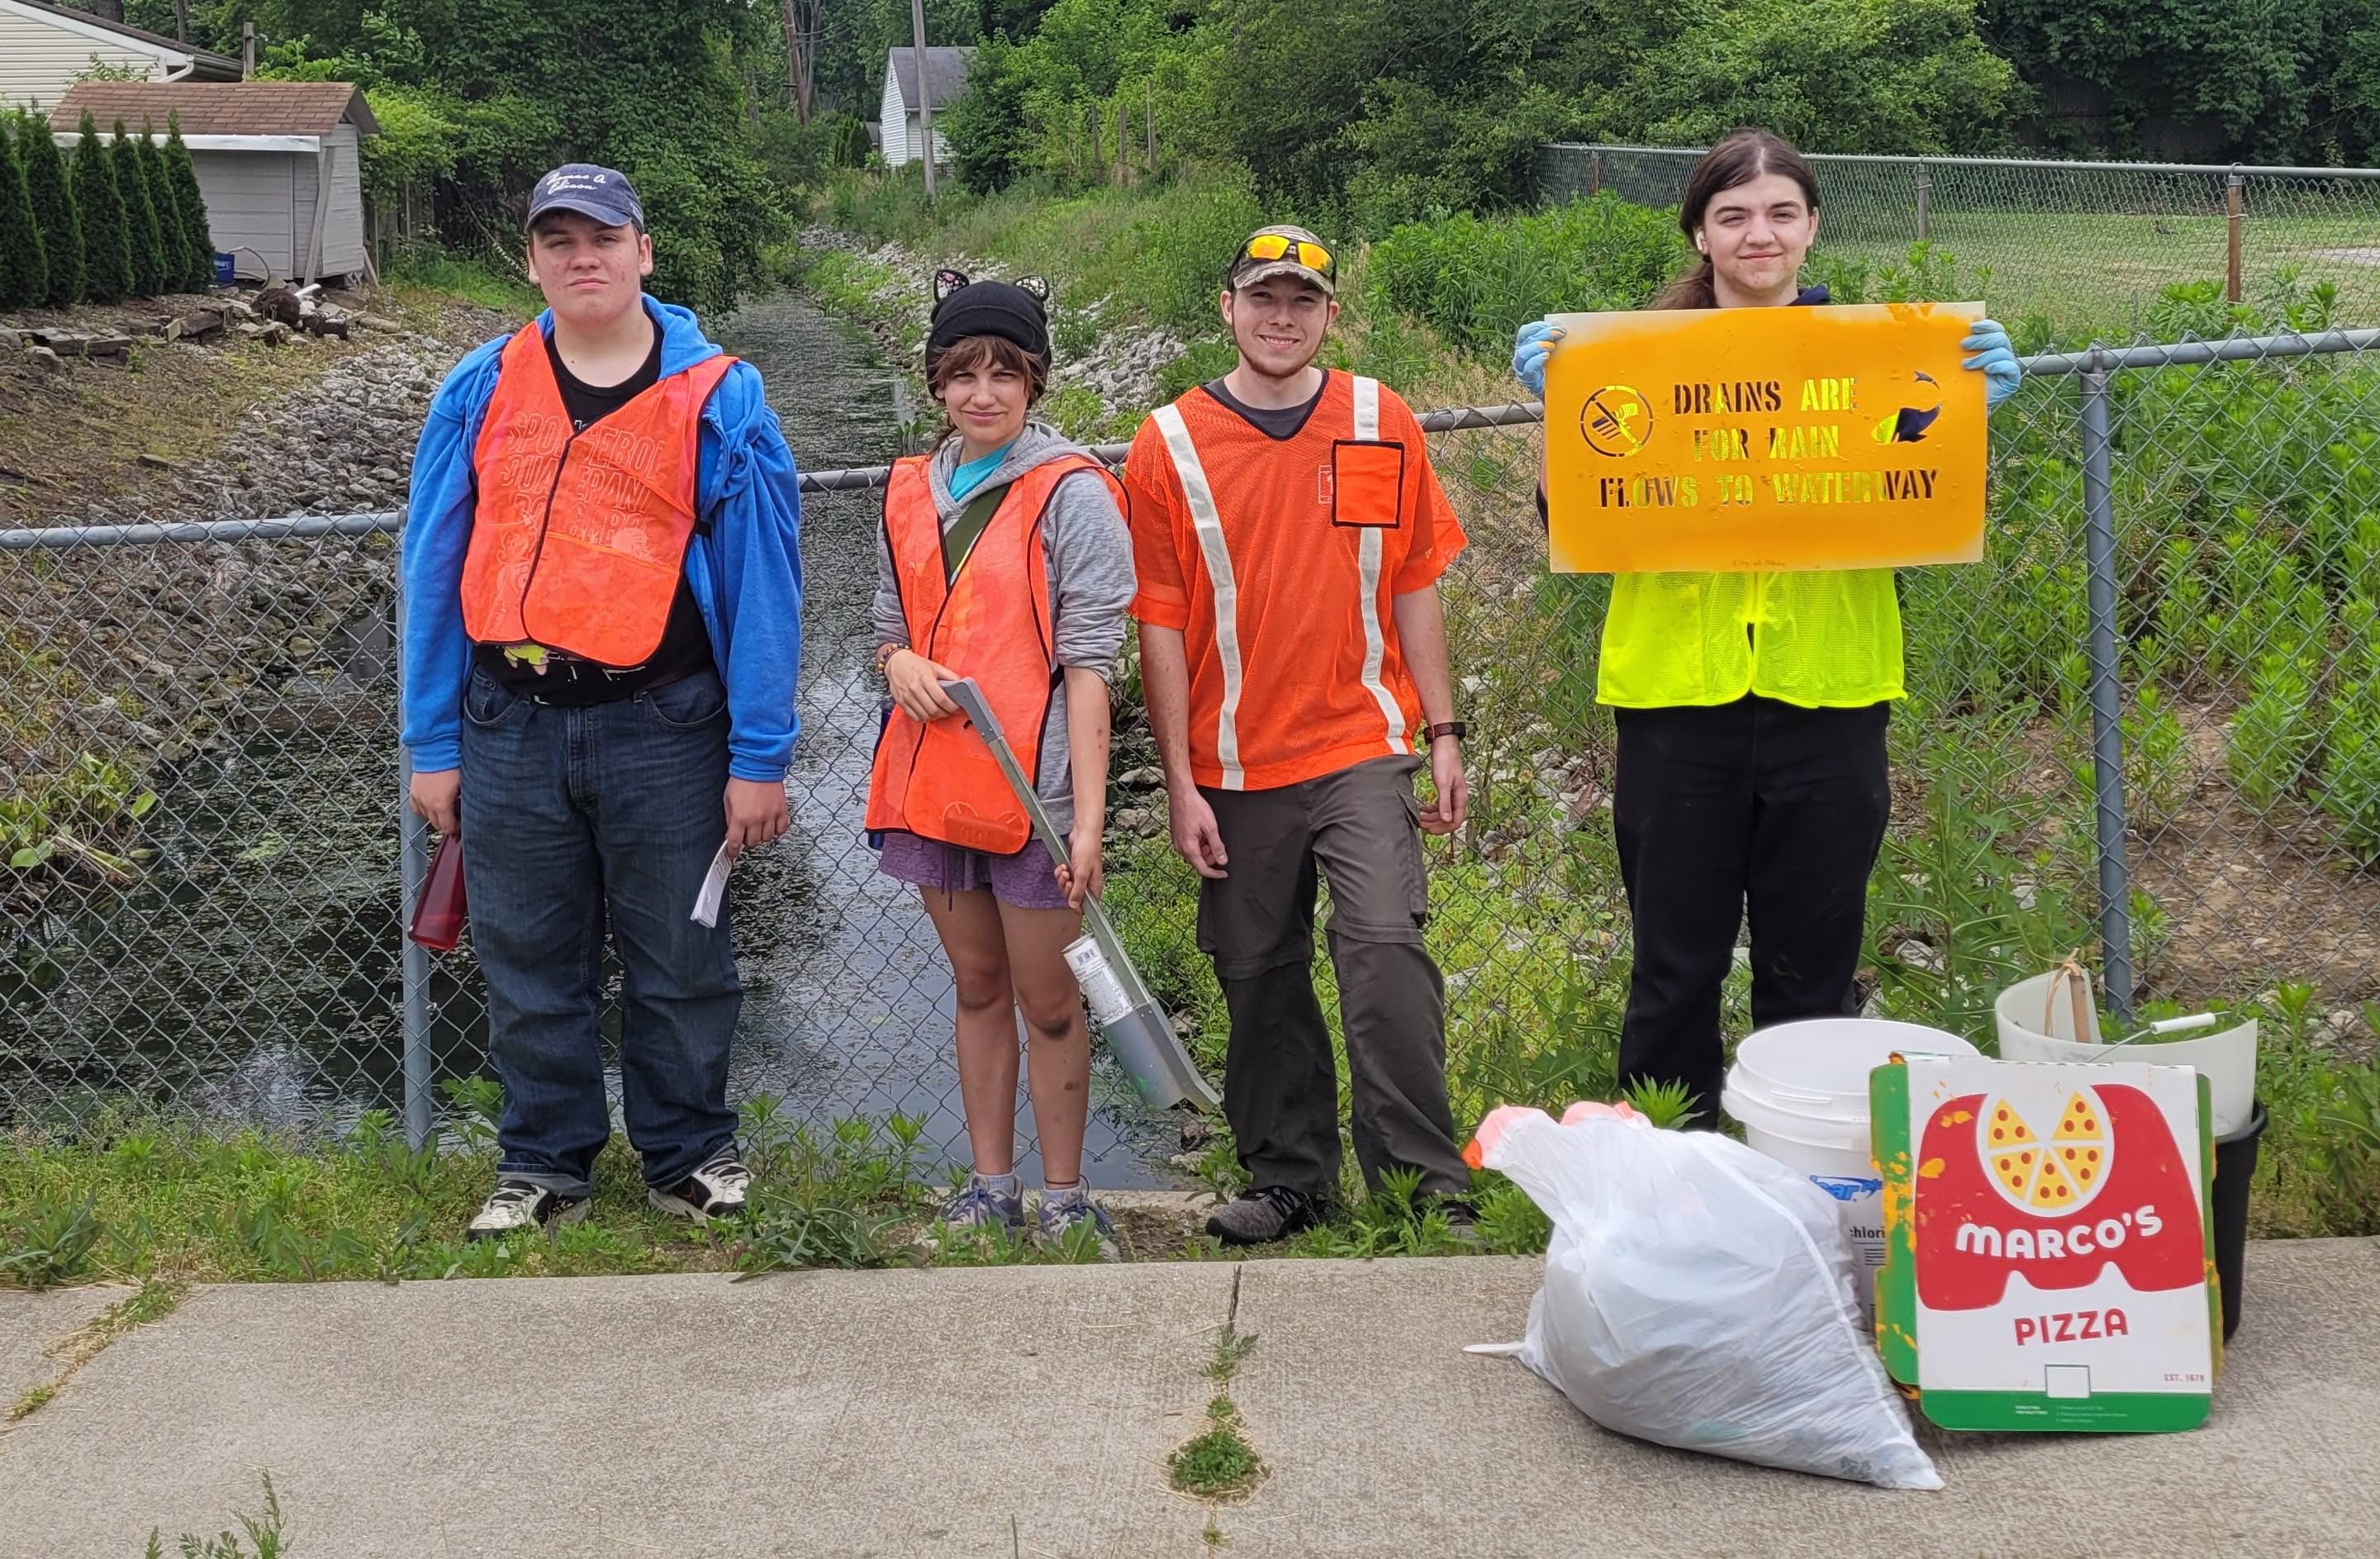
<point x="1281" y="1087"/>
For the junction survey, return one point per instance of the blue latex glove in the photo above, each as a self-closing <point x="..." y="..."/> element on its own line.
<point x="1995" y="359"/>
<point x="1531" y="347"/>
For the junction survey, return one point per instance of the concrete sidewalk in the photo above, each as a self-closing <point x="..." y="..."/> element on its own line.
<point x="1029" y="1411"/>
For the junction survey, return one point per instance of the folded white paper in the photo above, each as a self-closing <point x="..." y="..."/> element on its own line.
<point x="714" y="886"/>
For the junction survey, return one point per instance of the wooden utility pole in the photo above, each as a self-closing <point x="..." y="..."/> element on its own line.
<point x="247" y="50"/>
<point x="925" y="93"/>
<point x="802" y="32"/>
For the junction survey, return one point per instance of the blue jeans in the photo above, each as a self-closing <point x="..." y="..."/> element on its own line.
<point x="571" y="817"/>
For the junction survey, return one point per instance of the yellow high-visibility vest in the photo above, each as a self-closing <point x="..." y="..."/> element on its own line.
<point x="1822" y="641"/>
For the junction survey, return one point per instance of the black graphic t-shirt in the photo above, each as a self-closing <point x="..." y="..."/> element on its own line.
<point x="686" y="645"/>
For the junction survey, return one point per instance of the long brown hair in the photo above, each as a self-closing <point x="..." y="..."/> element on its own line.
<point x="972" y="353"/>
<point x="1737" y="159"/>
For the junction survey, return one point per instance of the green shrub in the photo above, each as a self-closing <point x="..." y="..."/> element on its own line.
<point x="24" y="268"/>
<point x="1478" y="280"/>
<point x="1180" y="252"/>
<point x="144" y="233"/>
<point x="2350" y="769"/>
<point x="2273" y="735"/>
<point x="191" y="206"/>
<point x="54" y="211"/>
<point x="48" y="1243"/>
<point x="106" y="235"/>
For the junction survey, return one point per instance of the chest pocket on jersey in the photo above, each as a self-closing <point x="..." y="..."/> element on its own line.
<point x="1368" y="483"/>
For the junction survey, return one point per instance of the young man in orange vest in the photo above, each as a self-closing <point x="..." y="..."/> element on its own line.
<point x="602" y="635"/>
<point x="1288" y="533"/>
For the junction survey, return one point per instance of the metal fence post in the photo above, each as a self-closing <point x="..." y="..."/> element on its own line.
<point x="413" y="865"/>
<point x="2106" y="709"/>
<point x="2234" y="191"/>
<point x="1924" y="188"/>
<point x="1595" y="171"/>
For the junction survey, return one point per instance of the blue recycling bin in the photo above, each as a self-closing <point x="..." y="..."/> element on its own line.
<point x="224" y="274"/>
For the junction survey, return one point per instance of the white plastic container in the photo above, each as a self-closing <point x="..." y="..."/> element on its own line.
<point x="1800" y="1090"/>
<point x="2227" y="1058"/>
<point x="1101" y="987"/>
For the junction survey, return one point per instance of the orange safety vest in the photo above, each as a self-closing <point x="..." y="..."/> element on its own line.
<point x="991" y="623"/>
<point x="578" y="539"/>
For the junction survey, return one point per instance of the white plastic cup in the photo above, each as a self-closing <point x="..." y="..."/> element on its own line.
<point x="1800" y="1090"/>
<point x="1101" y="986"/>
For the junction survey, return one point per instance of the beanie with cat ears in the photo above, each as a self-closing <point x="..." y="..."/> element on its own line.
<point x="1015" y="311"/>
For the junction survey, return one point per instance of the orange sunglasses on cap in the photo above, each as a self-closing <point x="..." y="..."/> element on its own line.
<point x="1265" y="248"/>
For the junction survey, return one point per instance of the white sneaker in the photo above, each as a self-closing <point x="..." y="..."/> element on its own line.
<point x="716" y="1190"/>
<point x="516" y="1206"/>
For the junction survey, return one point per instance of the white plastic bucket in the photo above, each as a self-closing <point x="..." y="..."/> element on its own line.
<point x="2228" y="1059"/>
<point x="1800" y="1090"/>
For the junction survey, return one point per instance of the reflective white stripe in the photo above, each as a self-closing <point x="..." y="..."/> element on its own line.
<point x="1368" y="427"/>
<point x="1211" y="545"/>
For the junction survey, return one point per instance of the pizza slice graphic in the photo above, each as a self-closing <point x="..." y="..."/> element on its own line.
<point x="2079" y="1150"/>
<point x="2015" y="1153"/>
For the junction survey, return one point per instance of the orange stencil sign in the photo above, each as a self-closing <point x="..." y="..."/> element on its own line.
<point x="1744" y="440"/>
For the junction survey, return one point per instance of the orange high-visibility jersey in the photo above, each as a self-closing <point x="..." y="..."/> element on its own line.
<point x="1279" y="560"/>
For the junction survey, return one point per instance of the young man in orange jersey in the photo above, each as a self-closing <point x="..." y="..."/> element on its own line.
<point x="601" y="636"/>
<point x="1288" y="533"/>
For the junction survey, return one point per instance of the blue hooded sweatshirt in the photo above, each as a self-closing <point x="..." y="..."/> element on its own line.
<point x="744" y="561"/>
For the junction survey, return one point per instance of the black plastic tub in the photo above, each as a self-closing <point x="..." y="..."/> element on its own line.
<point x="2235" y="1167"/>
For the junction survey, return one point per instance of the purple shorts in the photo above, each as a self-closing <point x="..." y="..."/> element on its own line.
<point x="1024" y="881"/>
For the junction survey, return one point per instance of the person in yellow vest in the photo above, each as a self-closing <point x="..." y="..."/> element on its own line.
<point x="1751" y="708"/>
<point x="1290" y="533"/>
<point x="1002" y="558"/>
<point x="602" y="638"/>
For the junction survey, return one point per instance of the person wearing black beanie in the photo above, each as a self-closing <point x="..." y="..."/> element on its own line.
<point x="1003" y="557"/>
<point x="1013" y="312"/>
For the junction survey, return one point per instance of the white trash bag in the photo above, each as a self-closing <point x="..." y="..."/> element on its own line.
<point x="1698" y="1294"/>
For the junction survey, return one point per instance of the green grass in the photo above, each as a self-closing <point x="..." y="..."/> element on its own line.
<point x="430" y="275"/>
<point x="259" y="1537"/>
<point x="169" y="1202"/>
<point x="1219" y="1463"/>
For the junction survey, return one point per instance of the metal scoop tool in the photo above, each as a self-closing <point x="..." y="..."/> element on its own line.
<point x="1136" y="1025"/>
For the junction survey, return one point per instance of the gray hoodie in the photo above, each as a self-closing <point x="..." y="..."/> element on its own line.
<point x="1091" y="586"/>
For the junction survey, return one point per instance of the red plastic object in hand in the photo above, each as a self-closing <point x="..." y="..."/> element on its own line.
<point x="439" y="914"/>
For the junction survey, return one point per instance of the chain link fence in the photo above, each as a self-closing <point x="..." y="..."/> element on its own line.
<point x="2145" y="727"/>
<point x="2087" y="248"/>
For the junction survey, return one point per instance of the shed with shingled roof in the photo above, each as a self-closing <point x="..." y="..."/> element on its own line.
<point x="278" y="163"/>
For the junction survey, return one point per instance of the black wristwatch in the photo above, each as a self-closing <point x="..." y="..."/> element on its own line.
<point x="1458" y="729"/>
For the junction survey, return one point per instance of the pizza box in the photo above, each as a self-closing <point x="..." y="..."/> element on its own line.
<point x="2048" y="1253"/>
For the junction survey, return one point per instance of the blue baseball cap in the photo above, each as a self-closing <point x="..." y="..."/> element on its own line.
<point x="602" y="193"/>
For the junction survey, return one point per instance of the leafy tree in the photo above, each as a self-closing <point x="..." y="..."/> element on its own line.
<point x="142" y="234"/>
<point x="2253" y="72"/>
<point x="1903" y="75"/>
<point x="191" y="206"/>
<point x="24" y="269"/>
<point x="54" y="213"/>
<point x="990" y="145"/>
<point x="106" y="239"/>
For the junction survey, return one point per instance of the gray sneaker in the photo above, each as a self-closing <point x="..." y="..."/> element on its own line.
<point x="1265" y="1214"/>
<point x="1061" y="1214"/>
<point x="986" y="1202"/>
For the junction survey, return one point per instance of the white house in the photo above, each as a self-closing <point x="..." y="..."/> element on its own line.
<point x="276" y="161"/>
<point x="946" y="73"/>
<point x="44" y="48"/>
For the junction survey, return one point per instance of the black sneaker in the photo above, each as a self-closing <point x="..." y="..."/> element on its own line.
<point x="1265" y="1214"/>
<point x="1462" y="1221"/>
<point x="716" y="1190"/>
<point x="517" y="1206"/>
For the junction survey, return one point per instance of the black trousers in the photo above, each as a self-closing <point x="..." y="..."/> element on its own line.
<point x="1753" y="804"/>
<point x="1281" y="1082"/>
